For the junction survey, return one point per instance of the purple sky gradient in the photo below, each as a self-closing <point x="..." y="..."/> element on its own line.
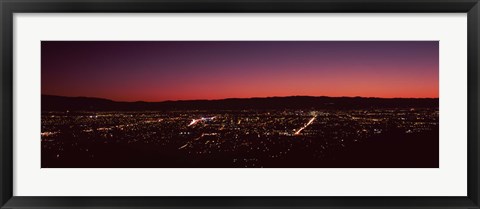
<point x="184" y="70"/>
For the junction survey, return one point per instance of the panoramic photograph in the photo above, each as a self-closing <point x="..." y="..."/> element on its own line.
<point x="239" y="104"/>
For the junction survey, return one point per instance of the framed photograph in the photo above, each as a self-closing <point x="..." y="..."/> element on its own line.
<point x="239" y="104"/>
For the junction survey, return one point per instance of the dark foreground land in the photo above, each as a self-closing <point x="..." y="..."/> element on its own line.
<point x="363" y="137"/>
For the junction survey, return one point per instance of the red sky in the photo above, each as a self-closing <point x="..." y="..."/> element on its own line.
<point x="185" y="70"/>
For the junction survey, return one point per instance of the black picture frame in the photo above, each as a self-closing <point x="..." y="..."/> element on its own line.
<point x="9" y="7"/>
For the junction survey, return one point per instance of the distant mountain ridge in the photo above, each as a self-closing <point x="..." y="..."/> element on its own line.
<point x="61" y="103"/>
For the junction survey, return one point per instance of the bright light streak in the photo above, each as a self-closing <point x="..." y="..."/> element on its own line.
<point x="184" y="146"/>
<point x="195" y="121"/>
<point x="306" y="125"/>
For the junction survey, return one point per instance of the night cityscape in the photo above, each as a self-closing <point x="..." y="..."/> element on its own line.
<point x="240" y="138"/>
<point x="234" y="104"/>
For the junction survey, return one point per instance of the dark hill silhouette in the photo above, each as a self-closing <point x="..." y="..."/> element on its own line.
<point x="60" y="103"/>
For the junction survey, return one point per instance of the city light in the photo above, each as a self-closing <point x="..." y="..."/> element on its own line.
<point x="231" y="138"/>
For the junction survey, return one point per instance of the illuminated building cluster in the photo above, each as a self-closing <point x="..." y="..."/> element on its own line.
<point x="226" y="138"/>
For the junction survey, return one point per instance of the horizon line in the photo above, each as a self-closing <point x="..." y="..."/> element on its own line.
<point x="245" y="98"/>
